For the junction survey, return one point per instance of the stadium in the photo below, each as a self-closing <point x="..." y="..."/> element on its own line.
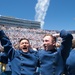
<point x="16" y="29"/>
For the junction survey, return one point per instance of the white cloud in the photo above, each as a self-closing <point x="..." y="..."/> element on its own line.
<point x="41" y="10"/>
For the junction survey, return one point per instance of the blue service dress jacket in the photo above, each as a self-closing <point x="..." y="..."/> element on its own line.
<point x="70" y="63"/>
<point x="21" y="63"/>
<point x="52" y="62"/>
<point x="3" y="58"/>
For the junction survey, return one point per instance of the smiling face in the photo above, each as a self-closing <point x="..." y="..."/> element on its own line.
<point x="49" y="42"/>
<point x="24" y="44"/>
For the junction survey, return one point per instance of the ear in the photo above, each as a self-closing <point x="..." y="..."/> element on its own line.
<point x="54" y="43"/>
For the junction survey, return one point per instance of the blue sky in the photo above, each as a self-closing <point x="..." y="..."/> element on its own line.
<point x="53" y="14"/>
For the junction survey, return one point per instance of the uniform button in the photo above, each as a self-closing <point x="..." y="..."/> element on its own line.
<point x="22" y="59"/>
<point x="53" y="67"/>
<point x="54" y="63"/>
<point x="22" y="69"/>
<point x="53" y="73"/>
<point x="40" y="62"/>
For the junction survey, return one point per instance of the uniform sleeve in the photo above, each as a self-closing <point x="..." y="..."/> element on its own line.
<point x="5" y="42"/>
<point x="3" y="58"/>
<point x="66" y="44"/>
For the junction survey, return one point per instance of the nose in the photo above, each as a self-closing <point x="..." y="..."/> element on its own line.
<point x="44" y="42"/>
<point x="24" y="44"/>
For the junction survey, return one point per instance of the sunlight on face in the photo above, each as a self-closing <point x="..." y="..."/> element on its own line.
<point x="48" y="43"/>
<point x="24" y="44"/>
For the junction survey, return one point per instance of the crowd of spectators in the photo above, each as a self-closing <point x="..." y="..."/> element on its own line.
<point x="34" y="35"/>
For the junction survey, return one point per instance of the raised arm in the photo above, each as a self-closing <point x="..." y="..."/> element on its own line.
<point x="5" y="42"/>
<point x="66" y="44"/>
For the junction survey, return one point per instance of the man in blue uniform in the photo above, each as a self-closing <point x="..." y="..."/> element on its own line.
<point x="52" y="60"/>
<point x="23" y="61"/>
<point x="70" y="62"/>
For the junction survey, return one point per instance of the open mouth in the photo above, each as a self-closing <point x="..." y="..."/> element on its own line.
<point x="25" y="48"/>
<point x="45" y="45"/>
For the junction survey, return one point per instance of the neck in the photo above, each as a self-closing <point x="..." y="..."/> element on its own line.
<point x="52" y="50"/>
